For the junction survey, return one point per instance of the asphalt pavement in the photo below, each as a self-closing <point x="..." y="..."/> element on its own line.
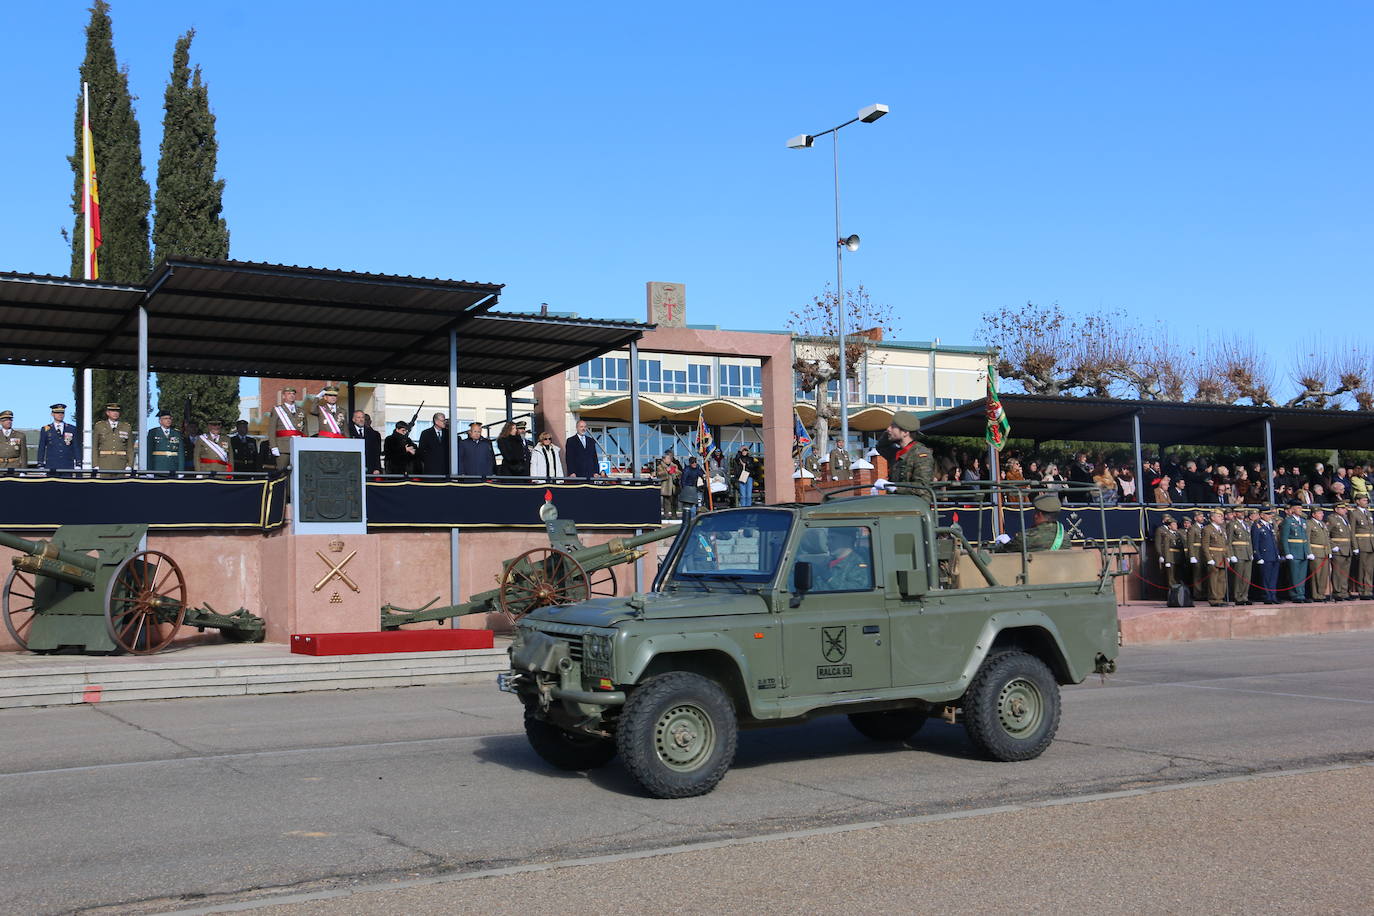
<point x="197" y="804"/>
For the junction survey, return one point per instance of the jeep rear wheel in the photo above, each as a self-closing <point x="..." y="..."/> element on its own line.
<point x="889" y="725"/>
<point x="677" y="735"/>
<point x="567" y="750"/>
<point x="1011" y="710"/>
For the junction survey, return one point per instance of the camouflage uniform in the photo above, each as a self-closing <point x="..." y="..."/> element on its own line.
<point x="914" y="465"/>
<point x="1038" y="537"/>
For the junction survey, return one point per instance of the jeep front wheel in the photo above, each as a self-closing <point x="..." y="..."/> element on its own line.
<point x="677" y="734"/>
<point x="889" y="725"/>
<point x="567" y="750"/>
<point x="1011" y="710"/>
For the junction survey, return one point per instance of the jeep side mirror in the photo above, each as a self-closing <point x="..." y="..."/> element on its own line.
<point x="801" y="582"/>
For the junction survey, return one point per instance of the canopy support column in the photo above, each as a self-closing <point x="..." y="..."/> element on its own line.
<point x="634" y="445"/>
<point x="995" y="475"/>
<point x="87" y="419"/>
<point x="141" y="453"/>
<point x="454" y="574"/>
<point x="1140" y="484"/>
<point x="1269" y="457"/>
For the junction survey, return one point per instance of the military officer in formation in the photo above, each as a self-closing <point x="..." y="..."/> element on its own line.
<point x="113" y="442"/>
<point x="1342" y="545"/>
<point x="1319" y="549"/>
<point x="212" y="451"/>
<point x="1216" y="550"/>
<point x="14" y="450"/>
<point x="59" y="442"/>
<point x="1197" y="561"/>
<point x="840" y="468"/>
<point x="913" y="463"/>
<point x="1265" y="543"/>
<point x="1293" y="544"/>
<point x="166" y="446"/>
<point x="331" y="414"/>
<point x="1045" y="533"/>
<point x="1242" y="554"/>
<point x="286" y="423"/>
<point x="1362" y="526"/>
<point x="1168" y="540"/>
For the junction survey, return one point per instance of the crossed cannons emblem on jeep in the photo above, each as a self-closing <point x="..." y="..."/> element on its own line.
<point x="833" y="643"/>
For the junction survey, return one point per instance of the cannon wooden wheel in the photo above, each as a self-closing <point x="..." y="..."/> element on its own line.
<point x="145" y="602"/>
<point x="542" y="577"/>
<point x="19" y="606"/>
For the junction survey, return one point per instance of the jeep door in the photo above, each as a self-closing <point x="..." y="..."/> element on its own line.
<point x="836" y="639"/>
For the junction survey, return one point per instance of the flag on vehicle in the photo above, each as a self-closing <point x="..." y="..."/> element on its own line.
<point x="999" y="427"/>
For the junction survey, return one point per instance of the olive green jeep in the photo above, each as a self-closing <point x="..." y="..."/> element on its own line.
<point x="763" y="616"/>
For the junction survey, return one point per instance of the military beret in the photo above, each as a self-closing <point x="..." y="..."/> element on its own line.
<point x="6" y="415"/>
<point x="113" y="406"/>
<point x="58" y="408"/>
<point x="163" y="413"/>
<point x="1047" y="503"/>
<point x="906" y="420"/>
<point x="331" y="390"/>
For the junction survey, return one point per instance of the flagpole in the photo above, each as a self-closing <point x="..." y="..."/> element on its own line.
<point x="87" y="150"/>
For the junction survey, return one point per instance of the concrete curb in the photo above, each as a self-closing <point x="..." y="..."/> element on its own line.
<point x="1254" y="621"/>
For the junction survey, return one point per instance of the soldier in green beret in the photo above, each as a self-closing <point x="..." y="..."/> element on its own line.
<point x="913" y="463"/>
<point x="1045" y="533"/>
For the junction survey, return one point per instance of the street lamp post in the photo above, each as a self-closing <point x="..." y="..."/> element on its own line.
<point x="806" y="141"/>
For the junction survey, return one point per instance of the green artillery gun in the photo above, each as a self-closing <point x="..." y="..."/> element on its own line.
<point x="565" y="572"/>
<point x="94" y="587"/>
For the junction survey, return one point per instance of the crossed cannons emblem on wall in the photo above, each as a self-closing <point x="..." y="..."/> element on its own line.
<point x="336" y="571"/>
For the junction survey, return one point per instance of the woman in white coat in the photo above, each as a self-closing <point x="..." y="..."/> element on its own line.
<point x="546" y="461"/>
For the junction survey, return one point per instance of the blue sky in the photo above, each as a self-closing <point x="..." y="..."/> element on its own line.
<point x="1205" y="164"/>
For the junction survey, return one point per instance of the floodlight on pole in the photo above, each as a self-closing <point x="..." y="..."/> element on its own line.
<point x="866" y="115"/>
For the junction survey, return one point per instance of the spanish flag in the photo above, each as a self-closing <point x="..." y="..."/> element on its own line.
<point x="90" y="196"/>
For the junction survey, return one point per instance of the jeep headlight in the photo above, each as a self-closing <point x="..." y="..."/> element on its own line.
<point x="596" y="655"/>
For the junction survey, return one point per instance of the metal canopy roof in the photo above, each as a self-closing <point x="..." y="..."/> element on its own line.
<point x="1164" y="423"/>
<point x="240" y="318"/>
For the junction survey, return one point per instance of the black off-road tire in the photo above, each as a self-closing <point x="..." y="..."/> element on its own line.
<point x="889" y="725"/>
<point x="677" y="734"/>
<point x="1011" y="710"/>
<point x="567" y="750"/>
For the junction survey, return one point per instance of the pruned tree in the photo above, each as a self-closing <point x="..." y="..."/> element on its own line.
<point x="1324" y="376"/>
<point x="817" y="326"/>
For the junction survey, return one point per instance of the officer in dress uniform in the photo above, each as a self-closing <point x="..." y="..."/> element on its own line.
<point x="1242" y="555"/>
<point x="1197" y="561"/>
<point x="1319" y="548"/>
<point x="1045" y="532"/>
<point x="1165" y="537"/>
<point x="166" y="447"/>
<point x="285" y="424"/>
<point x="840" y="464"/>
<point x="332" y="422"/>
<point x="14" y="450"/>
<point x="913" y="462"/>
<point x="1342" y="543"/>
<point x="59" y="443"/>
<point x="1362" y="527"/>
<point x="1264" y="542"/>
<point x="212" y="450"/>
<point x="1216" y="549"/>
<point x="1296" y="550"/>
<point x="112" y="442"/>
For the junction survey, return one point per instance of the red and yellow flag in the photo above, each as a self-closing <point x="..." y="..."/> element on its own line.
<point x="90" y="197"/>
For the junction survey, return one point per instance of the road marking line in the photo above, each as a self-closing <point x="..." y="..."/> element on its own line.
<point x="339" y="893"/>
<point x="1270" y="693"/>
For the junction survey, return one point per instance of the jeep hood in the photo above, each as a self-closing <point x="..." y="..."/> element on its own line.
<point x="607" y="612"/>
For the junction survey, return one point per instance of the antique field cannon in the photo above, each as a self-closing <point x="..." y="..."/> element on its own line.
<point x="94" y="588"/>
<point x="562" y="573"/>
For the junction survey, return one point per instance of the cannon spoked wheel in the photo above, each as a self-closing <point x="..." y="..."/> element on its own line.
<point x="19" y="606"/>
<point x="541" y="577"/>
<point x="145" y="602"/>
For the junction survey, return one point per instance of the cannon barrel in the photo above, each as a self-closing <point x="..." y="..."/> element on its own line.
<point x="618" y="550"/>
<point x="77" y="568"/>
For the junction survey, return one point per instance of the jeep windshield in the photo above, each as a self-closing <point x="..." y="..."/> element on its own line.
<point x="735" y="546"/>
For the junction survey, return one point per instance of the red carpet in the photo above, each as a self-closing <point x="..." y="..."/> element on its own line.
<point x="390" y="641"/>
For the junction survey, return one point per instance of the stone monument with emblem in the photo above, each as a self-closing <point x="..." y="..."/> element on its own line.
<point x="667" y="304"/>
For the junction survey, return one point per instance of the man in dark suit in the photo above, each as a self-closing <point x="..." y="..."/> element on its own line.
<point x="245" y="448"/>
<point x="579" y="453"/>
<point x="433" y="452"/>
<point x="360" y="427"/>
<point x="475" y="455"/>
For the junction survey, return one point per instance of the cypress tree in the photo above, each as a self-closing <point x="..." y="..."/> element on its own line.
<point x="187" y="221"/>
<point x="124" y="195"/>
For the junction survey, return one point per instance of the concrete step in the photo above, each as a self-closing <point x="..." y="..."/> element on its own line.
<point x="29" y="681"/>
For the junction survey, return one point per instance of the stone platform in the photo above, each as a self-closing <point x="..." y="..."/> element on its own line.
<point x="1152" y="622"/>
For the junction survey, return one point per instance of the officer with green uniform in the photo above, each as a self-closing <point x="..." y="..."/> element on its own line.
<point x="14" y="450"/>
<point x="1197" y="561"/>
<point x="913" y="463"/>
<point x="1216" y="551"/>
<point x="166" y="446"/>
<point x="848" y="569"/>
<point x="1045" y="533"/>
<point x="1362" y="525"/>
<point x="1319" y="548"/>
<point x="1166" y="538"/>
<point x="112" y="442"/>
<point x="1242" y="555"/>
<point x="1342" y="543"/>
<point x="1295" y="549"/>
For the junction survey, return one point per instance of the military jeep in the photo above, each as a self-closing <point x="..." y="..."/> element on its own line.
<point x="865" y="606"/>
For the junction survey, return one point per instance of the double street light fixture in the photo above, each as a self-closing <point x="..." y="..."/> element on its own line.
<point x="806" y="141"/>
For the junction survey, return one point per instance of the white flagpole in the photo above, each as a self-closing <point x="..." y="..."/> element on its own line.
<point x="87" y="147"/>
